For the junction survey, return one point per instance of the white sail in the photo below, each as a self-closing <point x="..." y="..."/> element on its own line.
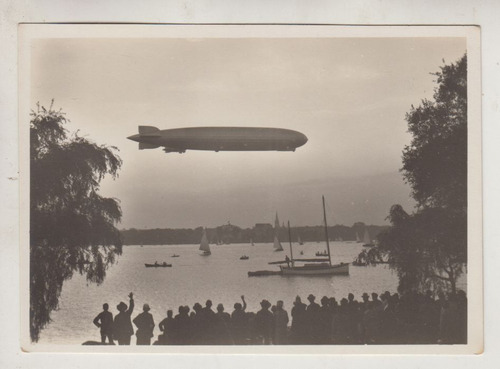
<point x="204" y="246"/>
<point x="277" y="243"/>
<point x="357" y="237"/>
<point x="366" y="238"/>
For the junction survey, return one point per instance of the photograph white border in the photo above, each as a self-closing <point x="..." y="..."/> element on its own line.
<point x="32" y="32"/>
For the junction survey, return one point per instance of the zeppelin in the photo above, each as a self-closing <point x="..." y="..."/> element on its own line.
<point x="219" y="139"/>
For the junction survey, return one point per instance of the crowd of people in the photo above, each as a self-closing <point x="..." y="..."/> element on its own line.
<point x="412" y="318"/>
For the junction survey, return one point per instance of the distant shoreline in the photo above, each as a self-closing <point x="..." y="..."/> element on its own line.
<point x="260" y="233"/>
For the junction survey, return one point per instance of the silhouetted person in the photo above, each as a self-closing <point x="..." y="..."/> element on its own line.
<point x="182" y="327"/>
<point x="325" y="317"/>
<point x="222" y="327"/>
<point x="299" y="321"/>
<point x="122" y="326"/>
<point x="264" y="321"/>
<point x="167" y="326"/>
<point x="280" y="325"/>
<point x="371" y="320"/>
<point x="387" y="320"/>
<point x="209" y="321"/>
<point x="105" y="321"/>
<point x="341" y="327"/>
<point x="313" y="320"/>
<point x="287" y="259"/>
<point x="239" y="322"/>
<point x="363" y="307"/>
<point x="251" y="333"/>
<point x="145" y="325"/>
<point x="427" y="326"/>
<point x="198" y="325"/>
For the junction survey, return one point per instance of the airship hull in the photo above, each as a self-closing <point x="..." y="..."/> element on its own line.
<point x="219" y="139"/>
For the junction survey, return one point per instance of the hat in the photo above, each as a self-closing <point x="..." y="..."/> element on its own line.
<point x="365" y="295"/>
<point x="311" y="297"/>
<point x="146" y="307"/>
<point x="121" y="306"/>
<point x="265" y="304"/>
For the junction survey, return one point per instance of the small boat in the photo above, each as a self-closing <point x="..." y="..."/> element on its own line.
<point x="299" y="241"/>
<point x="244" y="257"/>
<point x="302" y="253"/>
<point x="277" y="243"/>
<point x="157" y="265"/>
<point x="175" y="256"/>
<point x="322" y="253"/>
<point x="204" y="246"/>
<point x="262" y="273"/>
<point x="359" y="263"/>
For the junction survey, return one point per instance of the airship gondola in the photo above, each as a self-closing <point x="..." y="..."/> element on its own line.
<point x="219" y="139"/>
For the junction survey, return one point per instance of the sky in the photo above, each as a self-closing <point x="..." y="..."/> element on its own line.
<point x="349" y="96"/>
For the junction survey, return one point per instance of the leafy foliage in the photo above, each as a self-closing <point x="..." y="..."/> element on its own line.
<point x="435" y="163"/>
<point x="428" y="249"/>
<point x="72" y="227"/>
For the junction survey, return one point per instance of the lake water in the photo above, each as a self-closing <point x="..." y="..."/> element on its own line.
<point x="221" y="277"/>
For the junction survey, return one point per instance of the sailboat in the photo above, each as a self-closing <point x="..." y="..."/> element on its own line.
<point x="204" y="246"/>
<point x="277" y="243"/>
<point x="367" y="242"/>
<point x="299" y="241"/>
<point x="358" y="240"/>
<point x="319" y="266"/>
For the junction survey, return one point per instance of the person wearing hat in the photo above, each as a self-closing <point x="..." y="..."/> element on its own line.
<point x="326" y="317"/>
<point x="198" y="326"/>
<point x="145" y="325"/>
<point x="280" y="325"/>
<point x="222" y="327"/>
<point x="264" y="323"/>
<point x="313" y="320"/>
<point x="122" y="326"/>
<point x="105" y="321"/>
<point x="299" y="322"/>
<point x="239" y="322"/>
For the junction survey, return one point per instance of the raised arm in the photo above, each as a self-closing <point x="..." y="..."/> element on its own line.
<point x="244" y="303"/>
<point x="131" y="303"/>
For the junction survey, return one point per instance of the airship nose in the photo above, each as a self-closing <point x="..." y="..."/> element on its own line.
<point x="134" y="138"/>
<point x="301" y="139"/>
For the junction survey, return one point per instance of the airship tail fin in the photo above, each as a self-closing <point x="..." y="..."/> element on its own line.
<point x="143" y="146"/>
<point x="148" y="131"/>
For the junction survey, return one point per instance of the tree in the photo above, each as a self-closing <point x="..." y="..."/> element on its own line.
<point x="435" y="163"/>
<point x="72" y="227"/>
<point x="428" y="249"/>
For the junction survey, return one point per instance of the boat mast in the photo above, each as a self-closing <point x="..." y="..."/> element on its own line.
<point x="326" y="233"/>
<point x="290" y="239"/>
